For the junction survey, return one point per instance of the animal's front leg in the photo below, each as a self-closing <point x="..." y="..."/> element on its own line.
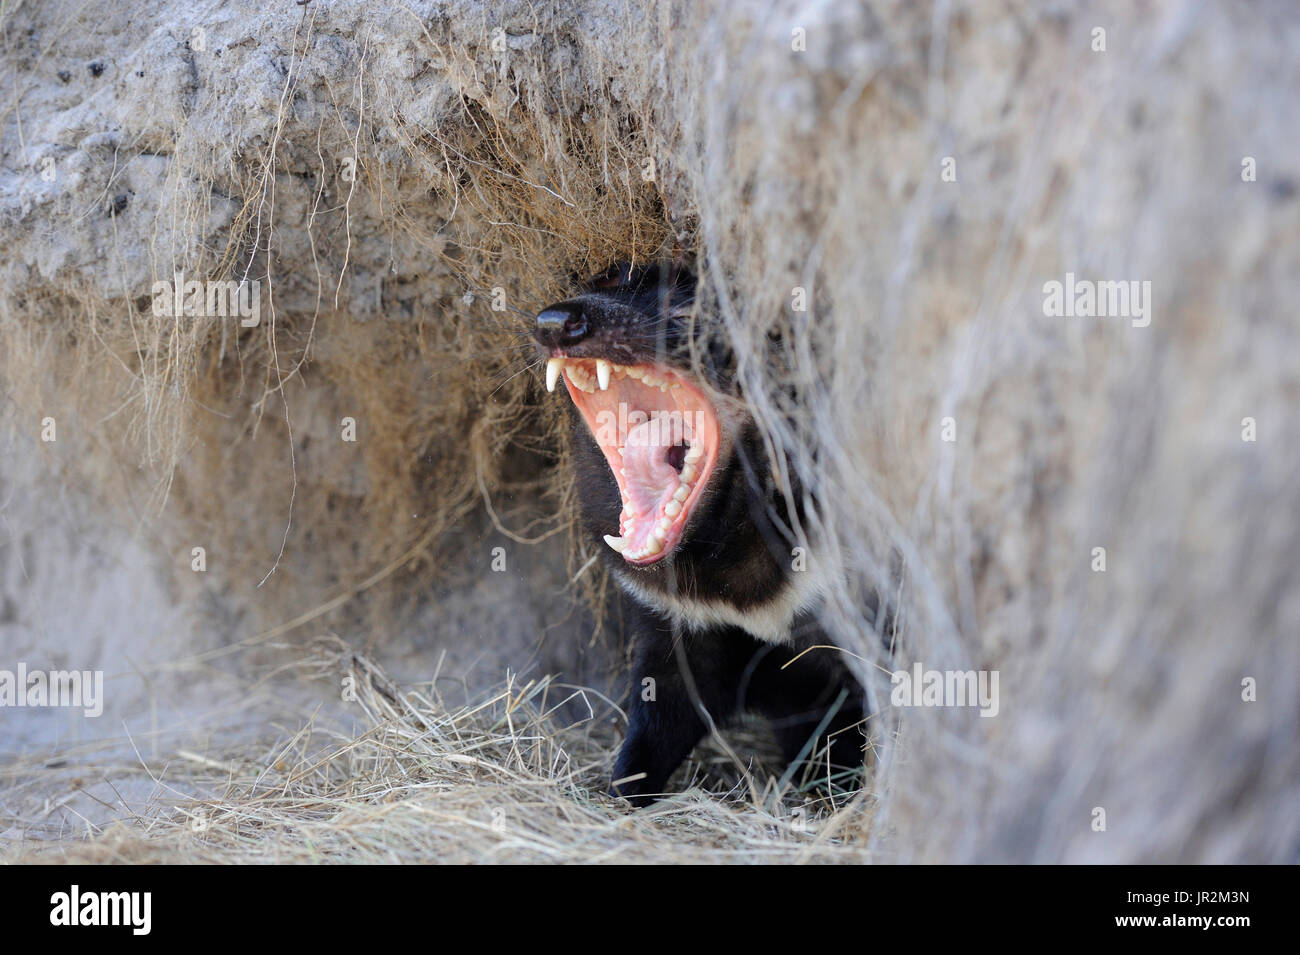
<point x="677" y="678"/>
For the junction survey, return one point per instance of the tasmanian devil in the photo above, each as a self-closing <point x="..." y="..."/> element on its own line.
<point x="674" y="478"/>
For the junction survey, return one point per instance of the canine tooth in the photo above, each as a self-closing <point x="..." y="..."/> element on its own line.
<point x="682" y="493"/>
<point x="618" y="543"/>
<point x="553" y="366"/>
<point x="688" y="474"/>
<point x="673" y="509"/>
<point x="602" y="373"/>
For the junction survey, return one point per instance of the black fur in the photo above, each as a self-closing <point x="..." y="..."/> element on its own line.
<point x="736" y="549"/>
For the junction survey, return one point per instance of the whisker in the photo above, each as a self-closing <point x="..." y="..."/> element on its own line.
<point x="528" y="367"/>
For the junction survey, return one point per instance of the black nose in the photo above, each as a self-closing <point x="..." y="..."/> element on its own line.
<point x="561" y="325"/>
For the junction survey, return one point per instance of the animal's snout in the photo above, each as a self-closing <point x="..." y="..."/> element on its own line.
<point x="562" y="325"/>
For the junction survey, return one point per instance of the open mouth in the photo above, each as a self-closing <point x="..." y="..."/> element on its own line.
<point x="659" y="434"/>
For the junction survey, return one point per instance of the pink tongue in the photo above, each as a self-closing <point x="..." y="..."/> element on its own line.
<point x="648" y="476"/>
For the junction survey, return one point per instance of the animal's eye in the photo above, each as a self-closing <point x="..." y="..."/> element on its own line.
<point x="616" y="276"/>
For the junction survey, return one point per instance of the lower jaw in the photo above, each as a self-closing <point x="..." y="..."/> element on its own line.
<point x="642" y="547"/>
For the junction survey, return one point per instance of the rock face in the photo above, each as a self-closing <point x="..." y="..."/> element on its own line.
<point x="1095" y="500"/>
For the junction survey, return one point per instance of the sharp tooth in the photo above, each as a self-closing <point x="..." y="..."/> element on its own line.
<point x="602" y="373"/>
<point x="673" y="509"/>
<point x="553" y="366"/>
<point x="682" y="493"/>
<point x="688" y="474"/>
<point x="618" y="543"/>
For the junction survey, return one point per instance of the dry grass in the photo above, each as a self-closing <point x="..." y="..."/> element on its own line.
<point x="508" y="779"/>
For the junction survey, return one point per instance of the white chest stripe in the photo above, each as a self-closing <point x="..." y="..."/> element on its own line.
<point x="770" y="621"/>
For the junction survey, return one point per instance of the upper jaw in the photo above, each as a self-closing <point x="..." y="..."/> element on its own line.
<point x="590" y="375"/>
